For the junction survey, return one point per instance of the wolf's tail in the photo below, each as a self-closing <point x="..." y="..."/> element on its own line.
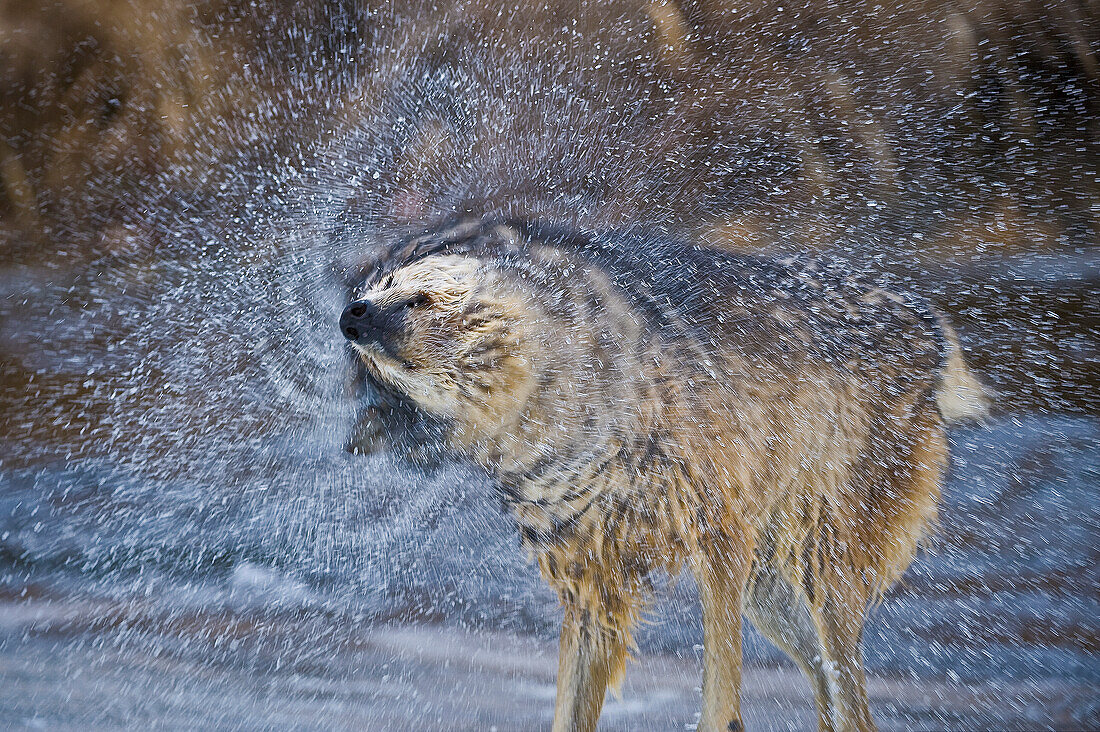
<point x="959" y="394"/>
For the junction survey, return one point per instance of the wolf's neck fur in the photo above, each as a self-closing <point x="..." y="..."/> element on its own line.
<point x="589" y="445"/>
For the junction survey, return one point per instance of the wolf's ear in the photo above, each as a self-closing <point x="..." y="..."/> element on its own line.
<point x="368" y="436"/>
<point x="387" y="425"/>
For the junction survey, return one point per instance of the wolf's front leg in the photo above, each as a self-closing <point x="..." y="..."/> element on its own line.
<point x="592" y="657"/>
<point x="721" y="571"/>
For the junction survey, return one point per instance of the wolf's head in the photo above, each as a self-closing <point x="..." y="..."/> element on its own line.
<point x="455" y="335"/>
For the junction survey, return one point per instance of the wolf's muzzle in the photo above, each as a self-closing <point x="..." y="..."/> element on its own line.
<point x="362" y="321"/>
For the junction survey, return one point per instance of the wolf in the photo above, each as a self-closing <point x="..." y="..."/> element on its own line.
<point x="644" y="403"/>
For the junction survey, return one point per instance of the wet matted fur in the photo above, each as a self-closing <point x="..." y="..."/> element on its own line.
<point x="641" y="403"/>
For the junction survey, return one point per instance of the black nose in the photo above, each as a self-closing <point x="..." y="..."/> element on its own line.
<point x="360" y="321"/>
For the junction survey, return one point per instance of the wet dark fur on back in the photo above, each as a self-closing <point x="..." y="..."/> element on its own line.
<point x="642" y="402"/>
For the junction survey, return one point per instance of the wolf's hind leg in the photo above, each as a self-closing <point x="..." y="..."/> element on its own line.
<point x="781" y="614"/>
<point x="839" y="619"/>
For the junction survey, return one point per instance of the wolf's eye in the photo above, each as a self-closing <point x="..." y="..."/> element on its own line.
<point x="417" y="301"/>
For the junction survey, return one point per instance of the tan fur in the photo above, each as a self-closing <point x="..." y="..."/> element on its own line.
<point x="781" y="436"/>
<point x="960" y="395"/>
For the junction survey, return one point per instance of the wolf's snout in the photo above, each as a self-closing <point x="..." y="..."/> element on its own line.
<point x="360" y="320"/>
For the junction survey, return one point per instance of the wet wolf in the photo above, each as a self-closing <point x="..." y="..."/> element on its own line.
<point x="644" y="403"/>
